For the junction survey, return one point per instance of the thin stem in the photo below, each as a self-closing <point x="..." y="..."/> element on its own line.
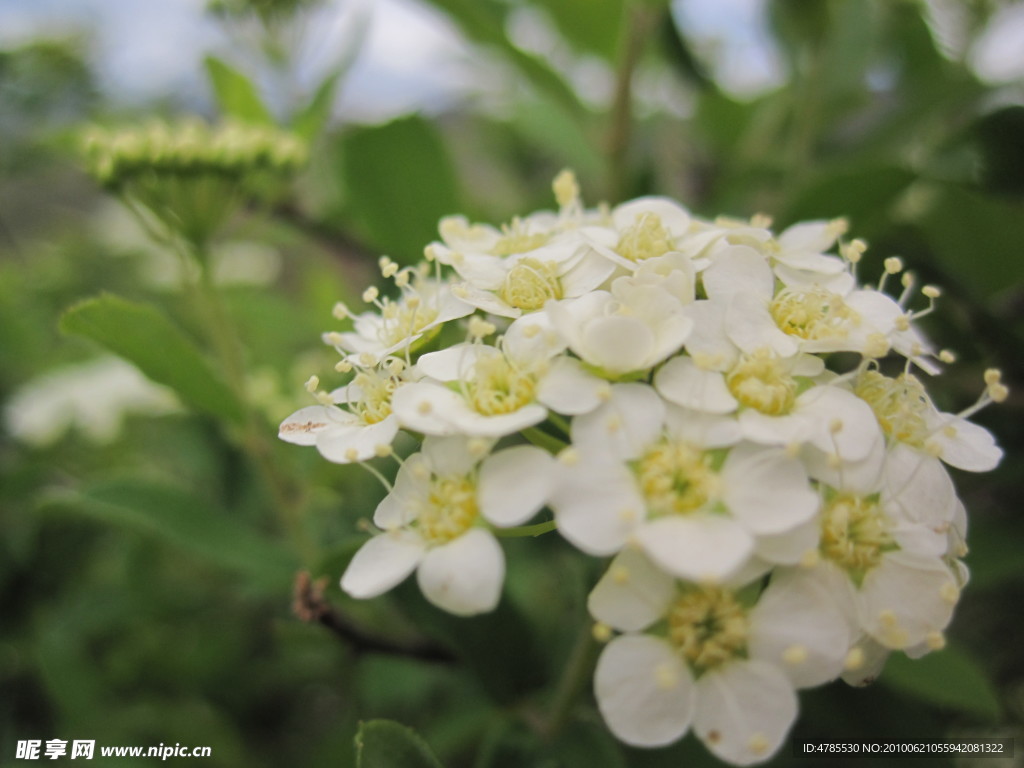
<point x="639" y="22"/>
<point x="522" y="531"/>
<point x="574" y="679"/>
<point x="542" y="439"/>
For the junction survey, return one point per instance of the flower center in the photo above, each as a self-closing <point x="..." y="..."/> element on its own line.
<point x="708" y="626"/>
<point x="675" y="478"/>
<point x="375" y="390"/>
<point x="900" y="405"/>
<point x="762" y="382"/>
<point x="498" y="387"/>
<point x="516" y="239"/>
<point x="405" y="318"/>
<point x="855" y="533"/>
<point x="812" y="313"/>
<point x="646" y="239"/>
<point x="529" y="284"/>
<point x="450" y="509"/>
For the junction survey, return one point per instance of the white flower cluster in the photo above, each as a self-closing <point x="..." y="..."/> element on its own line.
<point x="773" y="521"/>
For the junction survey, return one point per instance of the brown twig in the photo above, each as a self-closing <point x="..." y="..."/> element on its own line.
<point x="310" y="606"/>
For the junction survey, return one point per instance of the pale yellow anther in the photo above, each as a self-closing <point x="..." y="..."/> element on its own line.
<point x="666" y="677"/>
<point x="480" y="328"/>
<point x="343" y="366"/>
<point x="334" y="338"/>
<point x="902" y="323"/>
<point x="395" y="366"/>
<point x="324" y="398"/>
<point x="810" y="558"/>
<point x="838" y="227"/>
<point x="388" y="268"/>
<point x="351" y="455"/>
<point x="367" y="360"/>
<point x="949" y="431"/>
<point x="834" y="461"/>
<point x="998" y="392"/>
<point x="620" y="574"/>
<point x="993" y="376"/>
<point x="531" y="331"/>
<point x="854" y="660"/>
<point x="795" y="654"/>
<point x="430" y="252"/>
<point x="457" y="257"/>
<point x="947" y="356"/>
<point x="893" y="265"/>
<point x="566" y="188"/>
<point x="569" y="456"/>
<point x="907" y="280"/>
<point x="627" y="515"/>
<point x="614" y="423"/>
<point x="312" y="383"/>
<point x="460" y="290"/>
<point x="382" y="450"/>
<point x="932" y="291"/>
<point x="413" y="302"/>
<point x="362" y="524"/>
<point x="949" y="592"/>
<point x="370" y="294"/>
<point x="424" y="407"/>
<point x="887" y="617"/>
<point x="758" y="744"/>
<point x="792" y="450"/>
<point x="936" y="640"/>
<point x="602" y="632"/>
<point x="835" y="426"/>
<point x="761" y="221"/>
<point x="402" y="279"/>
<point x="933" y="449"/>
<point x="604" y="393"/>
<point x="916" y="350"/>
<point x="878" y="345"/>
<point x="340" y="311"/>
<point x="854" y="250"/>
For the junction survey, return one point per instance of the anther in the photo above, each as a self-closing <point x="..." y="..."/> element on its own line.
<point x="947" y="356"/>
<point x="936" y="640"/>
<point x="340" y="311"/>
<point x="352" y="455"/>
<point x="343" y="366"/>
<point x="569" y="456"/>
<point x="383" y="450"/>
<point x="931" y="291"/>
<point x="893" y="265"/>
<point x="949" y="592"/>
<point x="602" y="632"/>
<point x="312" y="383"/>
<point x="424" y="407"/>
<point x="370" y="294"/>
<point x="795" y="654"/>
<point x="854" y="660"/>
<point x="334" y="338"/>
<point x="620" y="574"/>
<point x="479" y="328"/>
<point x="666" y="677"/>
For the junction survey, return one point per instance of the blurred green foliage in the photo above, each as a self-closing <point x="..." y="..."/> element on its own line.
<point x="146" y="580"/>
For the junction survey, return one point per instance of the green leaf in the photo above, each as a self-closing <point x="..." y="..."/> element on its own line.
<point x="949" y="679"/>
<point x="145" y="337"/>
<point x="401" y="182"/>
<point x="591" y="26"/>
<point x="314" y="116"/>
<point x="236" y="94"/>
<point x="182" y="520"/>
<point x="387" y="744"/>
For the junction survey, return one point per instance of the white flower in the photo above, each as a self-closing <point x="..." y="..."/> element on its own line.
<point x="646" y="228"/>
<point x="363" y="429"/>
<point x="724" y="667"/>
<point x="436" y="521"/>
<point x="401" y="325"/>
<point x="632" y="328"/>
<point x="907" y="415"/>
<point x="499" y="390"/>
<point x="668" y="481"/>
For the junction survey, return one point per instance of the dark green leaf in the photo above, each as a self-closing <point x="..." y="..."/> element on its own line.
<point x="143" y="336"/>
<point x="236" y="95"/>
<point x="387" y="744"/>
<point x="864" y="195"/>
<point x="950" y="679"/>
<point x="591" y="26"/>
<point x="314" y="116"/>
<point x="182" y="520"/>
<point x="400" y="182"/>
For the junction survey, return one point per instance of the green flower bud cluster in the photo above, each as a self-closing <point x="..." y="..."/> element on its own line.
<point x="189" y="175"/>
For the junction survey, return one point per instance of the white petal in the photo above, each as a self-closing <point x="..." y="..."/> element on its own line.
<point x="797" y="627"/>
<point x="967" y="446"/>
<point x="761" y="428"/>
<point x="917" y="487"/>
<point x="632" y="594"/>
<point x="306" y="424"/>
<point x="464" y="576"/>
<point x="905" y="598"/>
<point x="738" y="268"/>
<point x="426" y="407"/>
<point x="469" y="422"/>
<point x="708" y="339"/>
<point x="569" y="389"/>
<point x="644" y="691"/>
<point x="587" y="274"/>
<point x="358" y="443"/>
<point x="411" y="488"/>
<point x="453" y="456"/>
<point x="698" y="547"/>
<point x="766" y="489"/>
<point x="808" y="237"/>
<point x="791" y="546"/>
<point x="871" y="662"/>
<point x="684" y="383"/>
<point x="532" y="338"/>
<point x="702" y="429"/>
<point x="597" y="506"/>
<point x="749" y="325"/>
<point x="382" y="563"/>
<point x="744" y="711"/>
<point x="514" y="484"/>
<point x="673" y="216"/>
<point x="455" y="362"/>
<point x="618" y="344"/>
<point x="626" y="425"/>
<point x="828" y="407"/>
